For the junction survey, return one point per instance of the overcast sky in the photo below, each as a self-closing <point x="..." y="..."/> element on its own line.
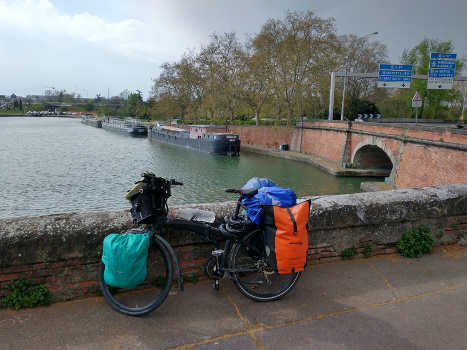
<point x="106" y="46"/>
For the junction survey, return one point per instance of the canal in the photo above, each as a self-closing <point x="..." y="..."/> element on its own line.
<point x="58" y="165"/>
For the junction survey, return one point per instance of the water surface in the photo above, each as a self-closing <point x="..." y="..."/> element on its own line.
<point x="59" y="165"/>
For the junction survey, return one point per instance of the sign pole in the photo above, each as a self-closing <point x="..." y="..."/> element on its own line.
<point x="463" y="105"/>
<point x="416" y="102"/>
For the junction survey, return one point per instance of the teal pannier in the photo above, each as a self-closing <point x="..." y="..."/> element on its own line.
<point x="125" y="259"/>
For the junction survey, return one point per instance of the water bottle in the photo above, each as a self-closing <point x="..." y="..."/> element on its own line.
<point x="195" y="214"/>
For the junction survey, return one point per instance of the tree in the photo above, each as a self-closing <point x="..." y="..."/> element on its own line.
<point x="397" y="105"/>
<point x="177" y="88"/>
<point x="362" y="55"/>
<point x="359" y="106"/>
<point x="298" y="51"/>
<point x="89" y="107"/>
<point x="434" y="101"/>
<point x="254" y="80"/>
<point x="135" y="105"/>
<point x="219" y="64"/>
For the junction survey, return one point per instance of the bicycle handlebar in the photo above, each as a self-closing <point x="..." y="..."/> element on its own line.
<point x="176" y="183"/>
<point x="151" y="179"/>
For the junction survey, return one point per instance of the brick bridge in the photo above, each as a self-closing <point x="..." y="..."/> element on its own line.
<point x="409" y="155"/>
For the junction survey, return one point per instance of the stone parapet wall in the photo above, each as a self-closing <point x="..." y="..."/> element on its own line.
<point x="63" y="251"/>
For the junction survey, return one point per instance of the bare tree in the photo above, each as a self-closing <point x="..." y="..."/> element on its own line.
<point x="297" y="51"/>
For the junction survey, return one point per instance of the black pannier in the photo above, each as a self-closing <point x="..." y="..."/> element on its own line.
<point x="146" y="205"/>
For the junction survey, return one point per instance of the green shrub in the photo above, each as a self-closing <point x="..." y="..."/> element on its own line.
<point x="416" y="242"/>
<point x="348" y="253"/>
<point x="25" y="293"/>
<point x="367" y="250"/>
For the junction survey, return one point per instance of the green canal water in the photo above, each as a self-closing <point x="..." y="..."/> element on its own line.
<point x="59" y="165"/>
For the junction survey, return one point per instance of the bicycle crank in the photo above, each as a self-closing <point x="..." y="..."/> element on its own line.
<point x="210" y="269"/>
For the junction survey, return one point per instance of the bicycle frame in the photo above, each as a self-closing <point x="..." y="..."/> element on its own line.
<point x="203" y="230"/>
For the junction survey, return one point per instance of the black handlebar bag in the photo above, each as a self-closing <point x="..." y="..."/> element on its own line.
<point x="286" y="236"/>
<point x="145" y="205"/>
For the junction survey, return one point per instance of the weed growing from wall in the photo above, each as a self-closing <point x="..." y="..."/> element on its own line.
<point x="367" y="250"/>
<point x="348" y="253"/>
<point x="416" y="242"/>
<point x="25" y="293"/>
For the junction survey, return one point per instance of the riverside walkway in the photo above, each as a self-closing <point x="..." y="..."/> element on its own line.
<point x="384" y="302"/>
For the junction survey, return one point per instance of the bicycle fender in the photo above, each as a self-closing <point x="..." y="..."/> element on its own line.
<point x="175" y="259"/>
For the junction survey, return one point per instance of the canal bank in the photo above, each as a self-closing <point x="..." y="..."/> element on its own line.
<point x="324" y="164"/>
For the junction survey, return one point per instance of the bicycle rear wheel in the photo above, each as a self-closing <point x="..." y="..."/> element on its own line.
<point x="251" y="274"/>
<point x="150" y="294"/>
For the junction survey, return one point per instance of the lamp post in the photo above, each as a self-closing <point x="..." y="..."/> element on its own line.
<point x="345" y="72"/>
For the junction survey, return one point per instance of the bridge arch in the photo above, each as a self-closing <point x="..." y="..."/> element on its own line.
<point x="372" y="153"/>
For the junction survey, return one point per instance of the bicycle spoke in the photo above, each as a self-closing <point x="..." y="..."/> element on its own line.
<point x="251" y="274"/>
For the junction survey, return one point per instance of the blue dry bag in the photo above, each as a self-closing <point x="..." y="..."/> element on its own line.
<point x="268" y="193"/>
<point x="125" y="259"/>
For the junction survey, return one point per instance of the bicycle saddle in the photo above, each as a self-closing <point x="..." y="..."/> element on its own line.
<point x="246" y="192"/>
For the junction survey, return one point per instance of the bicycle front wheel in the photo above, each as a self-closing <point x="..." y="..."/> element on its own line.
<point x="150" y="294"/>
<point x="251" y="274"/>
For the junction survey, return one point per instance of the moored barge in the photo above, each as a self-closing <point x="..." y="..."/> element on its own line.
<point x="128" y="126"/>
<point x="92" y="121"/>
<point x="206" y="138"/>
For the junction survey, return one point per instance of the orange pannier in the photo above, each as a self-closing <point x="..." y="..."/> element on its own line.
<point x="286" y="236"/>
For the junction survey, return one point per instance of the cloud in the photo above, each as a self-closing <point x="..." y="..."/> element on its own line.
<point x="41" y="18"/>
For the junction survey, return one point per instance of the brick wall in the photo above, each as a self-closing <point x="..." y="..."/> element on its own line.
<point x="420" y="157"/>
<point x="422" y="165"/>
<point x="264" y="136"/>
<point x="324" y="143"/>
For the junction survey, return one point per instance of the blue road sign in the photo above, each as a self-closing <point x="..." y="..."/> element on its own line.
<point x="449" y="64"/>
<point x="395" y="75"/>
<point x="441" y="71"/>
<point x="394" y="78"/>
<point x="396" y="66"/>
<point x="437" y="55"/>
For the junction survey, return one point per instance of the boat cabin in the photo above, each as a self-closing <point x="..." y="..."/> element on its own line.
<point x="197" y="131"/>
